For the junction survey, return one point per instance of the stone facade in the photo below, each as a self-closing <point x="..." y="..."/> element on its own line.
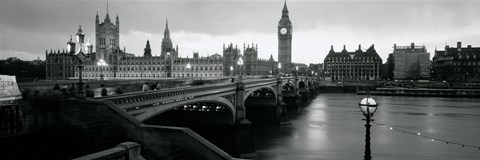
<point x="457" y="64"/>
<point x="252" y="65"/>
<point x="123" y="65"/>
<point x="409" y="62"/>
<point x="358" y="65"/>
<point x="59" y="65"/>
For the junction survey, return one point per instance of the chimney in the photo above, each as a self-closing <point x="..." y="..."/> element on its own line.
<point x="469" y="46"/>
<point x="394" y="46"/>
<point x="412" y="46"/>
<point x="459" y="45"/>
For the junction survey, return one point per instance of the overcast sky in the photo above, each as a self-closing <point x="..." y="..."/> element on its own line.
<point x="28" y="27"/>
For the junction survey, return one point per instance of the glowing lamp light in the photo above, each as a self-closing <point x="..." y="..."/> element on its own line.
<point x="102" y="62"/>
<point x="368" y="106"/>
<point x="240" y="61"/>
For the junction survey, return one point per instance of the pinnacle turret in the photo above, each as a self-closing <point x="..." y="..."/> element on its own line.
<point x="167" y="32"/>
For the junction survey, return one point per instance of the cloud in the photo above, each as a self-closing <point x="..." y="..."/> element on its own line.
<point x="140" y="33"/>
<point x="204" y="25"/>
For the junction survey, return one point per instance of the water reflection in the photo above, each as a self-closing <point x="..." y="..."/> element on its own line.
<point x="330" y="127"/>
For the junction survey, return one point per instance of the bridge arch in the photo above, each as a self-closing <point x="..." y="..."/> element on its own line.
<point x="265" y="95"/>
<point x="210" y="99"/>
<point x="289" y="89"/>
<point x="302" y="84"/>
<point x="250" y="91"/>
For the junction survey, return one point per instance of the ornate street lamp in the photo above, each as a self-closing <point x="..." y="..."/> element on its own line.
<point x="368" y="106"/>
<point x="240" y="64"/>
<point x="102" y="64"/>
<point x="231" y="71"/>
<point x="296" y="70"/>
<point x="188" y="69"/>
<point x="279" y="67"/>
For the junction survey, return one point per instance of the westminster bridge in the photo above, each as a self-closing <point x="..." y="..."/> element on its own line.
<point x="229" y="103"/>
<point x="146" y="116"/>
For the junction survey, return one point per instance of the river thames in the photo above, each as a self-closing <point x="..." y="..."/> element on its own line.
<point x="331" y="127"/>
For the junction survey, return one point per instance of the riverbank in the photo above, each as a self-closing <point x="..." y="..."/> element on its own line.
<point x="423" y="92"/>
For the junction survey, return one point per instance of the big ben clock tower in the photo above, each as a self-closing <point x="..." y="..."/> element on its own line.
<point x="285" y="41"/>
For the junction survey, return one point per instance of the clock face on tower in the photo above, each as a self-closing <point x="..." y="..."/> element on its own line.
<point x="283" y="31"/>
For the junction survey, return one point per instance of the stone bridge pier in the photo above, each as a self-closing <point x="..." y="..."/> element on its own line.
<point x="243" y="145"/>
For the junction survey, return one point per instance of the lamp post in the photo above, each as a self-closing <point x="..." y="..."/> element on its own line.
<point x="279" y="67"/>
<point x="240" y="64"/>
<point x="368" y="106"/>
<point x="102" y="64"/>
<point x="188" y="69"/>
<point x="231" y="71"/>
<point x="296" y="71"/>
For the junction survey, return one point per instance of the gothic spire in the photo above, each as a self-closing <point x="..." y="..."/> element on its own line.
<point x="96" y="18"/>
<point x="167" y="32"/>
<point x="285" y="18"/>
<point x="107" y="17"/>
<point x="117" y="20"/>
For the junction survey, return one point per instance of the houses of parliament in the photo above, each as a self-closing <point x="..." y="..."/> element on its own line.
<point x="109" y="61"/>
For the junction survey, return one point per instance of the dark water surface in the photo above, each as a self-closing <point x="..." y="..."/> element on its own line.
<point x="330" y="127"/>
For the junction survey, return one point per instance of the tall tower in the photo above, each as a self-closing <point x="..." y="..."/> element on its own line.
<point x="107" y="38"/>
<point x="250" y="55"/>
<point x="147" y="51"/>
<point x="285" y="41"/>
<point x="167" y="45"/>
<point x="230" y="57"/>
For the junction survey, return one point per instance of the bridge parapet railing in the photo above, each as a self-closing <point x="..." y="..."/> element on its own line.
<point x="160" y="138"/>
<point x="136" y="97"/>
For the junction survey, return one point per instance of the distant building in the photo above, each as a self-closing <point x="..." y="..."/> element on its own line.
<point x="60" y="64"/>
<point x="409" y="62"/>
<point x="122" y="65"/>
<point x="38" y="61"/>
<point x="358" y="65"/>
<point x="12" y="59"/>
<point x="457" y="64"/>
<point x="315" y="69"/>
<point x="302" y="69"/>
<point x="384" y="73"/>
<point x="252" y="65"/>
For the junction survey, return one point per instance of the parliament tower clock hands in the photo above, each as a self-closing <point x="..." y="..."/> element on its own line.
<point x="285" y="41"/>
